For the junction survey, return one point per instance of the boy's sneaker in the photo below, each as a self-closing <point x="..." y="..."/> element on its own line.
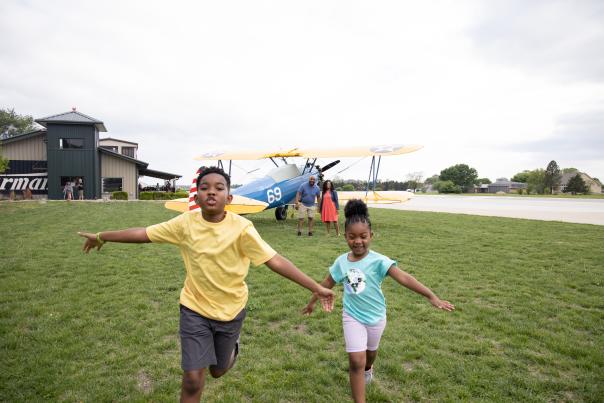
<point x="299" y="233"/>
<point x="310" y="234"/>
<point x="368" y="376"/>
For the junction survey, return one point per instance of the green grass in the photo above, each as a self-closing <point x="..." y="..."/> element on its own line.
<point x="529" y="324"/>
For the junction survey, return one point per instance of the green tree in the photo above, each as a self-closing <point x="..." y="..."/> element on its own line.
<point x="576" y="184"/>
<point x="521" y="176"/>
<point x="484" y="181"/>
<point x="536" y="181"/>
<point x="11" y="123"/>
<point x="461" y="175"/>
<point x="3" y="162"/>
<point x="552" y="176"/>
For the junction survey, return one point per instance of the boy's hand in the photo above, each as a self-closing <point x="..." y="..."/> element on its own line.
<point x="308" y="309"/>
<point x="90" y="242"/>
<point x="326" y="297"/>
<point x="440" y="304"/>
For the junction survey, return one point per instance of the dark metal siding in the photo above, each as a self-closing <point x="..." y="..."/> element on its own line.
<point x="72" y="162"/>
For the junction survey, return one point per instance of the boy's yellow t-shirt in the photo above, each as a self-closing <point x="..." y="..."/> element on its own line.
<point x="217" y="258"/>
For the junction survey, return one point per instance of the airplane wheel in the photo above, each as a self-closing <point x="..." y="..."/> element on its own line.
<point x="281" y="213"/>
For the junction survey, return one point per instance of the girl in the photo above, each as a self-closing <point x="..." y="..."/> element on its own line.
<point x="364" y="315"/>
<point x="329" y="207"/>
<point x="68" y="190"/>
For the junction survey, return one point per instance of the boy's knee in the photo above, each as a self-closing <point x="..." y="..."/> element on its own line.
<point x="192" y="382"/>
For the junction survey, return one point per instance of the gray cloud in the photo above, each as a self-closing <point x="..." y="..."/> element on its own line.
<point x="578" y="136"/>
<point x="564" y="39"/>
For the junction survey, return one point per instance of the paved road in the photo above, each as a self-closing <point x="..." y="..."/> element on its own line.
<point x="584" y="211"/>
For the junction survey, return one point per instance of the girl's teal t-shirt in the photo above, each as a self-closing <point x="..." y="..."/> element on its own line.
<point x="362" y="280"/>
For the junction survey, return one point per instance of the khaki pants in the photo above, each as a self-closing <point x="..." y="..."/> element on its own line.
<point x="304" y="211"/>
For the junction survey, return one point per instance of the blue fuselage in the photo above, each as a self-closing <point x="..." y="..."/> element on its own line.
<point x="275" y="193"/>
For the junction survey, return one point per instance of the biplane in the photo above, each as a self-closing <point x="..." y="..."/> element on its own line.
<point x="278" y="188"/>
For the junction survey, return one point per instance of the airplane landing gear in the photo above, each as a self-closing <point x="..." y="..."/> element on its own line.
<point x="281" y="213"/>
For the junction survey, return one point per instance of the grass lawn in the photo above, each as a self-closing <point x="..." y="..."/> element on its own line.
<point x="529" y="324"/>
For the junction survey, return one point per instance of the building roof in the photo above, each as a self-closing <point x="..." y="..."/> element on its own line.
<point x="158" y="174"/>
<point x="569" y="175"/>
<point x="72" y="117"/>
<point x="23" y="136"/>
<point x="121" y="141"/>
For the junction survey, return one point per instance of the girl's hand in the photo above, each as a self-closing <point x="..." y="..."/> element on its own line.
<point x="308" y="309"/>
<point x="440" y="304"/>
<point x="90" y="242"/>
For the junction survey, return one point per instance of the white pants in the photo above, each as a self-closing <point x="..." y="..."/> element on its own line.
<point x="361" y="337"/>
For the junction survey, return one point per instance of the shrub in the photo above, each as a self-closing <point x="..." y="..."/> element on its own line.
<point x="119" y="196"/>
<point x="145" y="196"/>
<point x="448" y="187"/>
<point x="180" y="195"/>
<point x="162" y="195"/>
<point x="348" y="187"/>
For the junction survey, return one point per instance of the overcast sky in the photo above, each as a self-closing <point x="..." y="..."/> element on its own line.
<point x="502" y="86"/>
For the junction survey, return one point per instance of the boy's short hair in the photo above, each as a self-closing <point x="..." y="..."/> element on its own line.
<point x="214" y="170"/>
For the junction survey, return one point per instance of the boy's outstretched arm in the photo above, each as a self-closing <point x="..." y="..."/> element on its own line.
<point x="327" y="283"/>
<point x="284" y="267"/>
<point x="407" y="280"/>
<point x="130" y="235"/>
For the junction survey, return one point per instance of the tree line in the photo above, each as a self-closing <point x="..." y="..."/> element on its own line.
<point x="461" y="178"/>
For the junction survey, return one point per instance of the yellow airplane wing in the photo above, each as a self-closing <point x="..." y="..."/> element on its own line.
<point x="343" y="152"/>
<point x="369" y="151"/>
<point x="373" y="197"/>
<point x="239" y="205"/>
<point x="246" y="155"/>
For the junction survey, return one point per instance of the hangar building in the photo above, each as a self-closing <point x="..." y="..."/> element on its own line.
<point x="67" y="148"/>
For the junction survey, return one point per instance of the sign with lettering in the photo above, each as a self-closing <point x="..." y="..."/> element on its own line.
<point x="37" y="183"/>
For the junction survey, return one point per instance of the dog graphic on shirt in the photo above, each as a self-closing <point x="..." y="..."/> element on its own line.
<point x="355" y="281"/>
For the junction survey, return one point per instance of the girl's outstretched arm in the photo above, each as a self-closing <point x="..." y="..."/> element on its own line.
<point x="284" y="267"/>
<point x="327" y="283"/>
<point x="130" y="235"/>
<point x="407" y="280"/>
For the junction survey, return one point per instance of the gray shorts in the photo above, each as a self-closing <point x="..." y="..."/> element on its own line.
<point x="206" y="342"/>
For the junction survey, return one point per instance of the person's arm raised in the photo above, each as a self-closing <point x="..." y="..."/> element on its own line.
<point x="130" y="235"/>
<point x="287" y="269"/>
<point x="407" y="280"/>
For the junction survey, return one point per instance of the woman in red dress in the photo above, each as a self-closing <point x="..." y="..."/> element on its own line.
<point x="329" y="207"/>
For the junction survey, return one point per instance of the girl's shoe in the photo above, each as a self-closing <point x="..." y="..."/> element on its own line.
<point x="368" y="376"/>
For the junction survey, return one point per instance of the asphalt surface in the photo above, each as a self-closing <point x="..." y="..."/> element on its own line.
<point x="583" y="211"/>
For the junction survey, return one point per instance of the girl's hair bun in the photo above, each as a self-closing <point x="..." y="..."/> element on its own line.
<point x="355" y="207"/>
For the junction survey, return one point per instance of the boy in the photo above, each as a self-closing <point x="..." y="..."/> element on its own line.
<point x="217" y="247"/>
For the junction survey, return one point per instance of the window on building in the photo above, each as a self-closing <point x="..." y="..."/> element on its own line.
<point x="110" y="148"/>
<point x="65" y="179"/>
<point x="112" y="185"/>
<point x="40" y="166"/>
<point x="128" y="151"/>
<point x="71" y="143"/>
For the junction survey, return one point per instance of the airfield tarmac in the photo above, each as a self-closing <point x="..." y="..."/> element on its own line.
<point x="582" y="211"/>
